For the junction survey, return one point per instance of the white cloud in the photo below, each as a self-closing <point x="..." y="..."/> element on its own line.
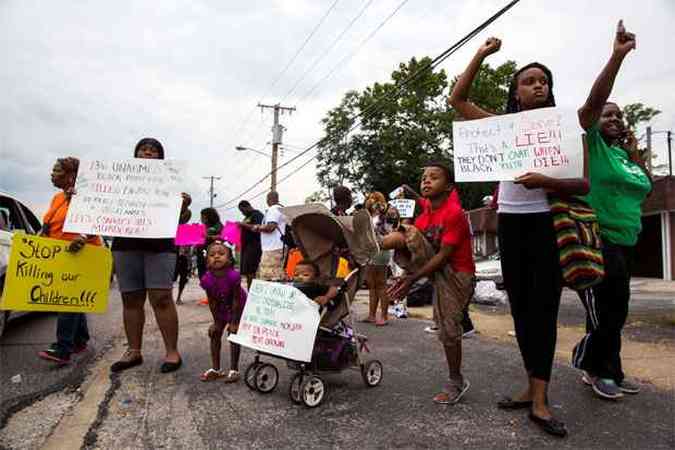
<point x="91" y="78"/>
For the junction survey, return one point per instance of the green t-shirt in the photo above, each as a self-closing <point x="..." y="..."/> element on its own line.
<point x="618" y="188"/>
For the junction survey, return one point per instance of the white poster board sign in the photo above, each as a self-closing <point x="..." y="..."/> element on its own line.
<point x="129" y="198"/>
<point x="405" y="207"/>
<point x="501" y="148"/>
<point x="280" y="320"/>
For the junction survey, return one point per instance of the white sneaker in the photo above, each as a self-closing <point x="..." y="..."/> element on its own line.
<point x="469" y="333"/>
<point x="432" y="329"/>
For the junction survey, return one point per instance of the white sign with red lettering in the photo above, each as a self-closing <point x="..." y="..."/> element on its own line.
<point x="501" y="148"/>
<point x="138" y="198"/>
<point x="279" y="320"/>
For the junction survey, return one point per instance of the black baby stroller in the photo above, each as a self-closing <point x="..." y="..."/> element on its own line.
<point x="320" y="236"/>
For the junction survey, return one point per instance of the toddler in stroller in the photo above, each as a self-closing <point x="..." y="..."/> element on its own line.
<point x="319" y="234"/>
<point x="334" y="346"/>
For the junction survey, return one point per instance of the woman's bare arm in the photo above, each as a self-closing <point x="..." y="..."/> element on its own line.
<point x="459" y="98"/>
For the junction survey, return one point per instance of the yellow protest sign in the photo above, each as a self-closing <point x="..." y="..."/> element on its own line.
<point x="43" y="276"/>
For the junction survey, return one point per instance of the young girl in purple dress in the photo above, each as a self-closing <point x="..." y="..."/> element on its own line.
<point x="227" y="298"/>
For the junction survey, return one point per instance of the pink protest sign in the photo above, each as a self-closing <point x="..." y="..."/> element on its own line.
<point x="232" y="233"/>
<point x="191" y="234"/>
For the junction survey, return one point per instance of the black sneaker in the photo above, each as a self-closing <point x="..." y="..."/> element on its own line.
<point x="629" y="387"/>
<point x="607" y="388"/>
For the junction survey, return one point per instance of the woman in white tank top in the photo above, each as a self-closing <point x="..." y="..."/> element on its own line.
<point x="529" y="254"/>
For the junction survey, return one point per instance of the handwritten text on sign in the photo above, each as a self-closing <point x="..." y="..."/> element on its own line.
<point x="278" y="319"/>
<point x="131" y="198"/>
<point x="405" y="207"/>
<point x="43" y="276"/>
<point x="504" y="147"/>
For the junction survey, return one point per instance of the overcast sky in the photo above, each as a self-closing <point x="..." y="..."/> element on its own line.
<point x="89" y="78"/>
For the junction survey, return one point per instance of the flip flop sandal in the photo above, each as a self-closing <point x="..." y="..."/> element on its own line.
<point x="510" y="404"/>
<point x="381" y="323"/>
<point x="232" y="376"/>
<point x="211" y="375"/>
<point x="367" y="320"/>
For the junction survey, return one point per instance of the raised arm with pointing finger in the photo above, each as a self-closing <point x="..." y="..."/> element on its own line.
<point x="590" y="112"/>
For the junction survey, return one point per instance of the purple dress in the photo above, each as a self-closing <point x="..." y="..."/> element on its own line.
<point x="222" y="290"/>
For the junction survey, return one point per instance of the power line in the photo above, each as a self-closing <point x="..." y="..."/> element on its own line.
<point x="353" y="53"/>
<point x="365" y="114"/>
<point x="328" y="49"/>
<point x="288" y="65"/>
<point x="265" y="191"/>
<point x="344" y="60"/>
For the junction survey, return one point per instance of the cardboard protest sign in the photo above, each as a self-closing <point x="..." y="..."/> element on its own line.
<point x="280" y="320"/>
<point x="190" y="234"/>
<point x="130" y="198"/>
<point x="501" y="148"/>
<point x="43" y="276"/>
<point x="405" y="207"/>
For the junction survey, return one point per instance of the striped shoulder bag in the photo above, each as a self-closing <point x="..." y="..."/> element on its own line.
<point x="579" y="243"/>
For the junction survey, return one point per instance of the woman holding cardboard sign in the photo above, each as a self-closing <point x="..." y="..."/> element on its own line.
<point x="527" y="240"/>
<point x="145" y="268"/>
<point x="619" y="185"/>
<point x="72" y="333"/>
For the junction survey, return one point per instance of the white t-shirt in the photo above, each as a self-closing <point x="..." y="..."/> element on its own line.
<point x="272" y="241"/>
<point x="517" y="199"/>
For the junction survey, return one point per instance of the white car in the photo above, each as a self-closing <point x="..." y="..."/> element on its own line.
<point x="490" y="269"/>
<point x="14" y="216"/>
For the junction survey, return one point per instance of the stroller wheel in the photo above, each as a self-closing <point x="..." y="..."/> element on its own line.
<point x="312" y="391"/>
<point x="294" y="388"/>
<point x="266" y="378"/>
<point x="249" y="375"/>
<point x="372" y="372"/>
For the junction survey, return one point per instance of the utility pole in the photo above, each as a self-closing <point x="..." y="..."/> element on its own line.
<point x="277" y="132"/>
<point x="649" y="149"/>
<point x="212" y="195"/>
<point x="670" y="152"/>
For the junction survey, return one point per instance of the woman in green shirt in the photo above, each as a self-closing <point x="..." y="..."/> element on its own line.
<point x="619" y="185"/>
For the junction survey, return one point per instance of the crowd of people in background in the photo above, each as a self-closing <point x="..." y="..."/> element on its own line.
<point x="435" y="245"/>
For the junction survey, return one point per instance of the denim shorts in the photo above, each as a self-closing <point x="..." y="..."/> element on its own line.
<point x="138" y="270"/>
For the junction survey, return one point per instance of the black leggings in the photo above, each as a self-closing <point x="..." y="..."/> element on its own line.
<point x="533" y="281"/>
<point x="606" y="305"/>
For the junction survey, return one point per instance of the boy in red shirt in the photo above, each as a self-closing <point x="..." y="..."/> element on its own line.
<point x="438" y="246"/>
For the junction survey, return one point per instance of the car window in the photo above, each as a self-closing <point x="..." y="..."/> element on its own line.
<point x="33" y="221"/>
<point x="4" y="219"/>
<point x="13" y="217"/>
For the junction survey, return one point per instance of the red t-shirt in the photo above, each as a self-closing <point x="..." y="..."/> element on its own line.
<point x="448" y="225"/>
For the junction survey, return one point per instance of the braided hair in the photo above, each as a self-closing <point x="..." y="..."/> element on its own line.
<point x="512" y="104"/>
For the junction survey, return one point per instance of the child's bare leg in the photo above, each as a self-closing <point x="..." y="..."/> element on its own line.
<point x="235" y="351"/>
<point x="216" y="335"/>
<point x="382" y="292"/>
<point x="453" y="356"/>
<point x="372" y="294"/>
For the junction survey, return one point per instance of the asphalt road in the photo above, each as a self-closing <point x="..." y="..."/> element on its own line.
<point x="152" y="410"/>
<point x="25" y="336"/>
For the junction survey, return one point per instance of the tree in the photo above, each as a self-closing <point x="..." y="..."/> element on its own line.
<point x="636" y="113"/>
<point x="404" y="123"/>
<point x="317" y="197"/>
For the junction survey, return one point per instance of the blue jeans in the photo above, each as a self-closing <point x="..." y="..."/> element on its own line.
<point x="71" y="331"/>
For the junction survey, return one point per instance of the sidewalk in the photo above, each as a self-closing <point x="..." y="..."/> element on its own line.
<point x="648" y="347"/>
<point x="142" y="408"/>
<point x="651" y="286"/>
